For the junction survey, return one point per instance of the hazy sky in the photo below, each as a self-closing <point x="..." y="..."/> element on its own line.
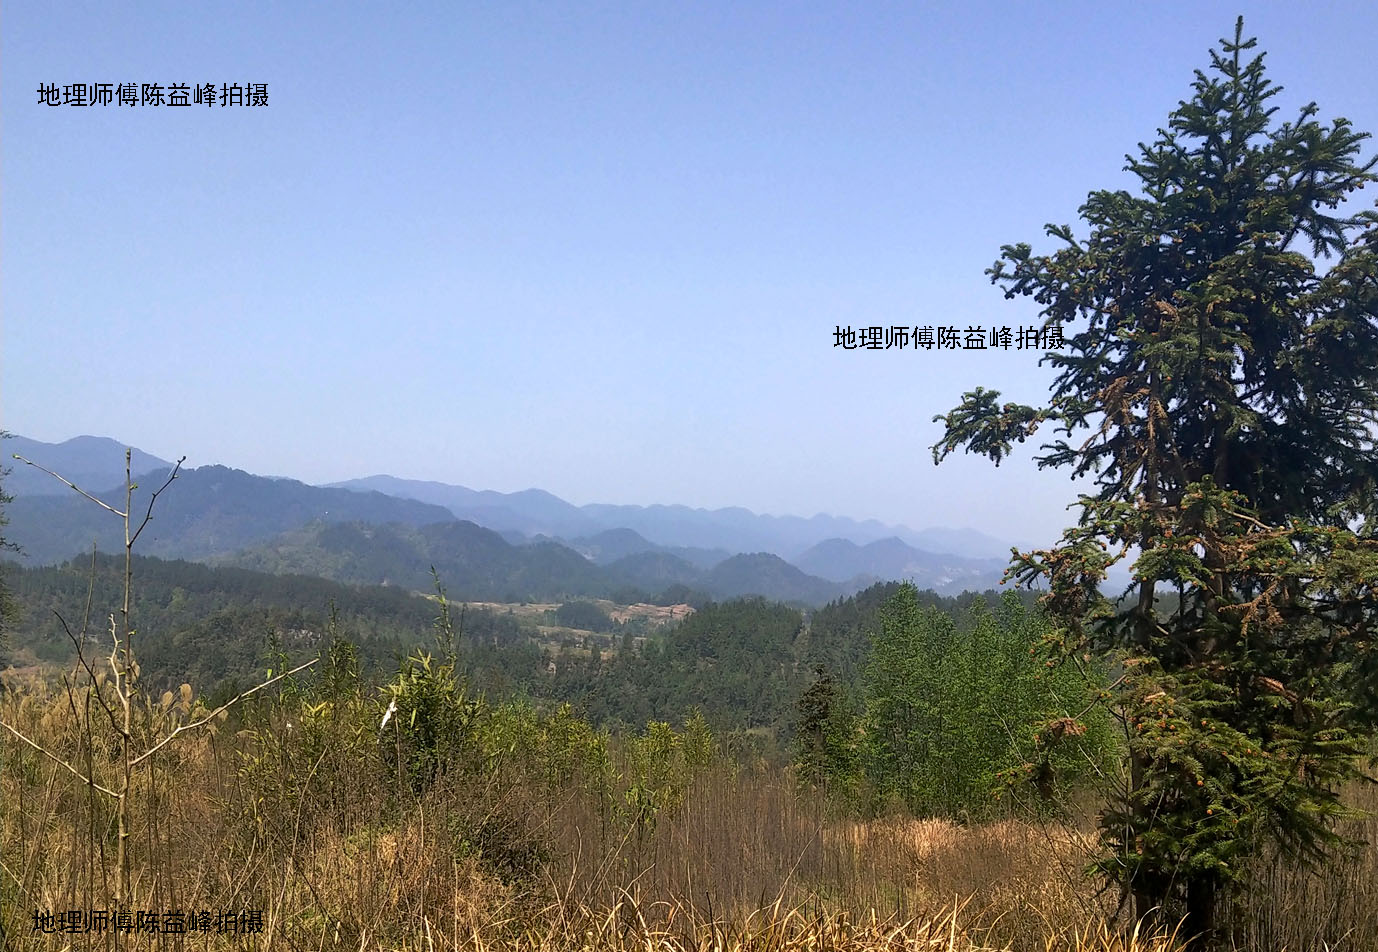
<point x="599" y="248"/>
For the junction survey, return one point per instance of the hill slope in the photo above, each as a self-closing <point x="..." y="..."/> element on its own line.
<point x="473" y="563"/>
<point x="763" y="573"/>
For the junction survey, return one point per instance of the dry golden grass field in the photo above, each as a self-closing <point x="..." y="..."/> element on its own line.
<point x="290" y="810"/>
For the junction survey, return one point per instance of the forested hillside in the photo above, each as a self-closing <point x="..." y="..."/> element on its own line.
<point x="476" y="563"/>
<point x="743" y="663"/>
<point x="213" y="625"/>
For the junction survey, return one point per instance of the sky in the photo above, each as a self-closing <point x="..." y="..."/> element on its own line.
<point x="600" y="248"/>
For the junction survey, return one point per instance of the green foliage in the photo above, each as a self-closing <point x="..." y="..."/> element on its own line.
<point x="431" y="718"/>
<point x="825" y="742"/>
<point x="950" y="714"/>
<point x="1230" y="387"/>
<point x="309" y="747"/>
<point x="734" y="661"/>
<point x="429" y="709"/>
<point x="551" y="751"/>
<point x="839" y="638"/>
<point x="662" y="764"/>
<point x="206" y="624"/>
<point x="743" y="663"/>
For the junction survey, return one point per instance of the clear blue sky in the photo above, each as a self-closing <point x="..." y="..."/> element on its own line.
<point x="599" y="248"/>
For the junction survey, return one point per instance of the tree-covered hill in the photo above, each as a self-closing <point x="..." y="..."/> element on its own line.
<point x="838" y="636"/>
<point x="654" y="571"/>
<point x="480" y="565"/>
<point x="762" y="572"/>
<point x="201" y="623"/>
<point x="228" y="516"/>
<point x="613" y="545"/>
<point x="474" y="563"/>
<point x="743" y="662"/>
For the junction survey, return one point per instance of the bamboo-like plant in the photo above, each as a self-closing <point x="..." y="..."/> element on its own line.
<point x="140" y="733"/>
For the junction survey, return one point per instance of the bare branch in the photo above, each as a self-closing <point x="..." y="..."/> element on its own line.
<point x="217" y="712"/>
<point x="149" y="514"/>
<point x="59" y="761"/>
<point x="60" y="479"/>
<point x="81" y="657"/>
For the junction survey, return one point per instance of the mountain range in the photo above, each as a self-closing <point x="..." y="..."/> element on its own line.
<point x="92" y="462"/>
<point x="208" y="511"/>
<point x="485" y="544"/>
<point x="537" y="512"/>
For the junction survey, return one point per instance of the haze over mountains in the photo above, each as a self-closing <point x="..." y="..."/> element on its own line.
<point x="488" y="545"/>
<point x="537" y="512"/>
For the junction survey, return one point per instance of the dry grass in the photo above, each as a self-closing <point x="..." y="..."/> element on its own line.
<point x="1332" y="908"/>
<point x="338" y="855"/>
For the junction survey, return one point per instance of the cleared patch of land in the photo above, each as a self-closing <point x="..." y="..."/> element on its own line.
<point x="536" y="613"/>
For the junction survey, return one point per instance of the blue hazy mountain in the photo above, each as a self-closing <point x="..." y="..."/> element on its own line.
<point x="694" y="534"/>
<point x="94" y="463"/>
<point x="841" y="560"/>
<point x="529" y="543"/>
<point x="207" y="511"/>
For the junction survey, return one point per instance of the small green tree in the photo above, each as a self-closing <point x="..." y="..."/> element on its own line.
<point x="1228" y="387"/>
<point x="430" y="709"/>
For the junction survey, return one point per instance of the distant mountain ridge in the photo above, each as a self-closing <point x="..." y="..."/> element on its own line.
<point x="889" y="559"/>
<point x="472" y="562"/>
<point x="208" y="511"/>
<point x="614" y="544"/>
<point x="392" y="534"/>
<point x="477" y="564"/>
<point x="530" y="512"/>
<point x="94" y="463"/>
<point x="734" y="529"/>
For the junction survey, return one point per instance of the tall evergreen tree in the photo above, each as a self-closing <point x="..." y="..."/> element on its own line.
<point x="824" y="740"/>
<point x="1222" y="361"/>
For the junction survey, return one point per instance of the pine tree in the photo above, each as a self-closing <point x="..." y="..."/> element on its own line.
<point x="1221" y="375"/>
<point x="813" y="738"/>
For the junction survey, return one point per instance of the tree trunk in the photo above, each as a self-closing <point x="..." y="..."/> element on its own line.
<point x="1146" y="904"/>
<point x="1200" y="922"/>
